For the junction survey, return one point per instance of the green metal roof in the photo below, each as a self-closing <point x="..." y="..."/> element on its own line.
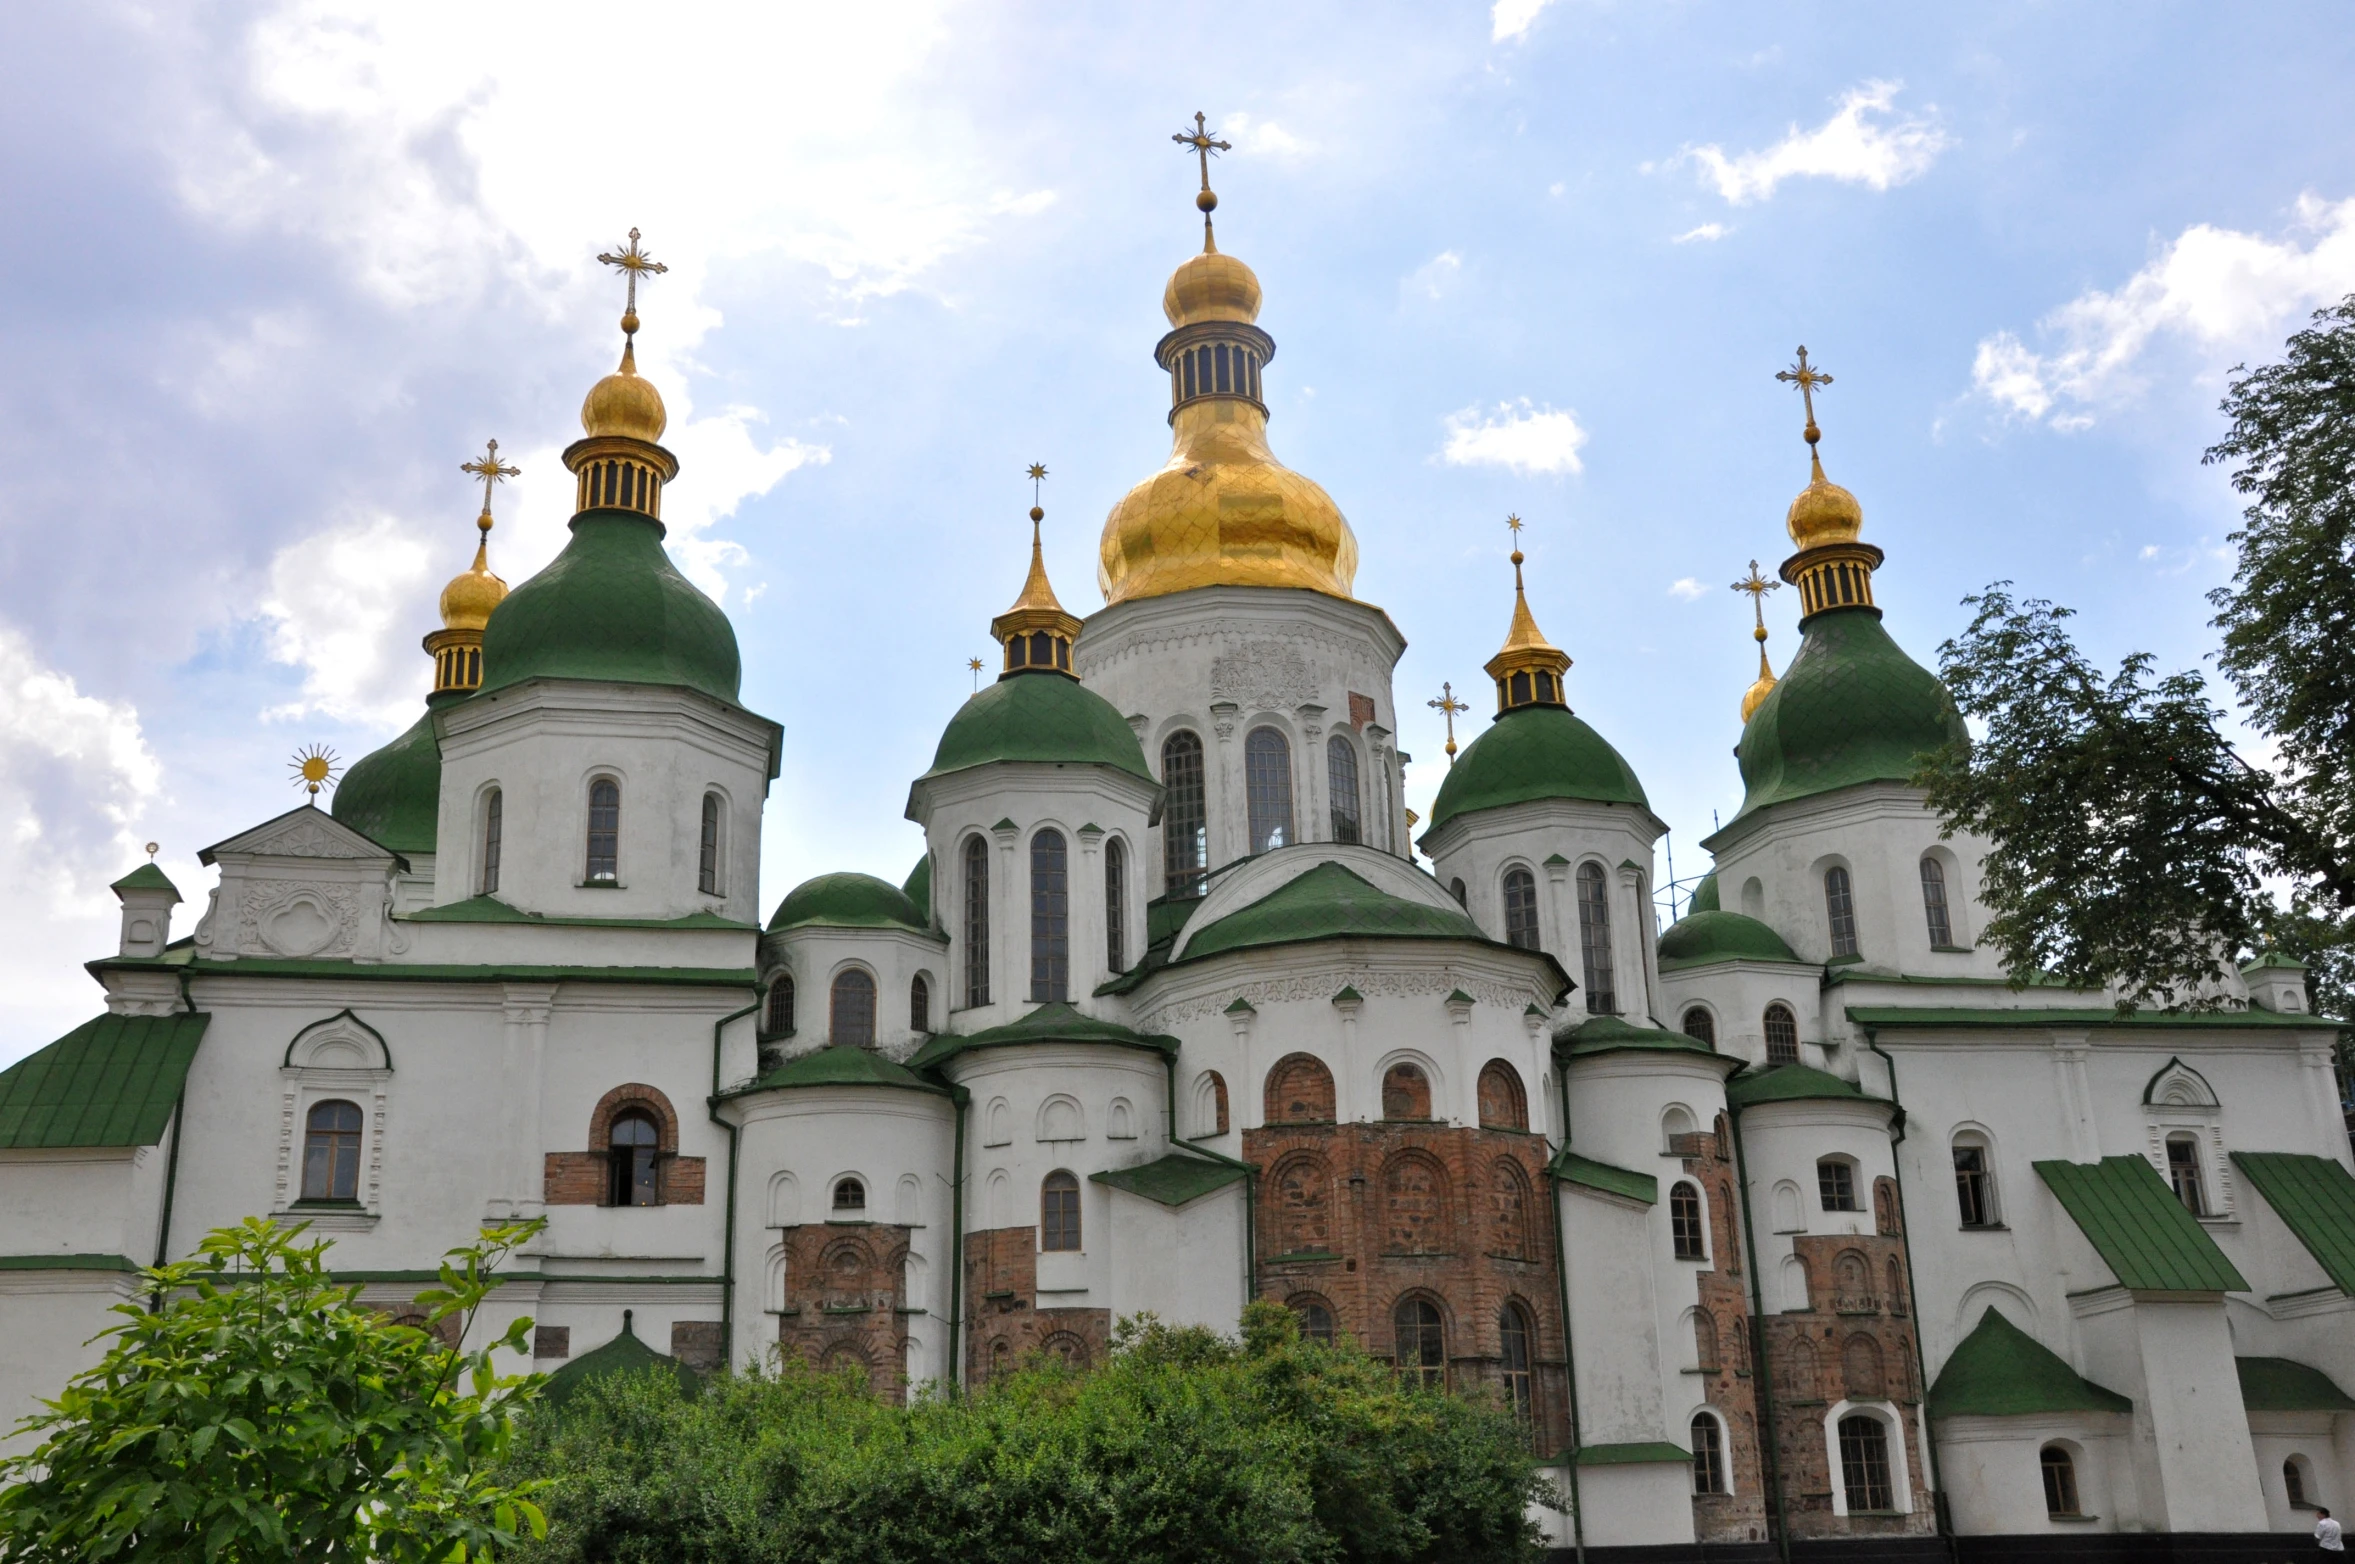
<point x="2271" y="960"/>
<point x="1615" y="1034"/>
<point x="1704" y="896"/>
<point x="1792" y="1083"/>
<point x="2079" y="1015"/>
<point x="849" y="901"/>
<point x="2283" y="1385"/>
<point x="917" y="887"/>
<point x="612" y="607"/>
<point x="1999" y="1370"/>
<point x="840" y="1065"/>
<point x="1172" y="1180"/>
<point x="1572" y="1168"/>
<point x="1039" y="717"/>
<point x="180" y="956"/>
<point x="2141" y="1231"/>
<point x="2315" y="1198"/>
<point x="489" y="909"/>
<point x="1699" y="938"/>
<point x="1330" y="902"/>
<point x="1851" y="708"/>
<point x="108" y="1082"/>
<point x="67" y="1262"/>
<point x="624" y="1354"/>
<point x="147" y="877"/>
<point x="1049" y="1023"/>
<point x="394" y="795"/>
<point x="1534" y="752"/>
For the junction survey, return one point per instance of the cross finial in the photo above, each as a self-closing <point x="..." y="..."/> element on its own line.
<point x="492" y="472"/>
<point x="1447" y="705"/>
<point x="974" y="663"/>
<point x="1757" y="586"/>
<point x="1806" y="377"/>
<point x="633" y="263"/>
<point x="1516" y="524"/>
<point x="1036" y="472"/>
<point x="1203" y="143"/>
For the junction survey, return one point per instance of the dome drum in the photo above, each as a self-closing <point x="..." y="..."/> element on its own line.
<point x="457" y="659"/>
<point x="619" y="472"/>
<point x="1834" y="575"/>
<point x="1214" y="358"/>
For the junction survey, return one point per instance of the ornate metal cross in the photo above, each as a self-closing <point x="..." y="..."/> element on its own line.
<point x="492" y="472"/>
<point x="634" y="263"/>
<point x="1447" y="705"/>
<point x="1203" y="144"/>
<point x="1758" y="586"/>
<point x="1806" y="377"/>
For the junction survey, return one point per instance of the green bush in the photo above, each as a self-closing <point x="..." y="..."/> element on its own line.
<point x="1186" y="1446"/>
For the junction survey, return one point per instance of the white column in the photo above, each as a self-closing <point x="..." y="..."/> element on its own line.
<point x="1564" y="947"/>
<point x="518" y="1190"/>
<point x="1315" y="823"/>
<point x="1467" y="1068"/>
<point x="1087" y="914"/>
<point x="1345" y="1083"/>
<point x="1004" y="935"/>
<point x="1230" y="817"/>
<point x="2069" y="1050"/>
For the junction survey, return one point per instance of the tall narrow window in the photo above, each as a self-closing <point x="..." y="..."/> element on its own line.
<point x="1700" y="1025"/>
<point x="1341" y="784"/>
<point x="976" y="921"/>
<point x="2183" y="1172"/>
<point x="1456" y="889"/>
<point x="1521" y="908"/>
<point x="850" y="1021"/>
<point x="1267" y="782"/>
<point x="631" y="1147"/>
<point x="1185" y="825"/>
<point x="1974" y="1183"/>
<point x="1050" y="918"/>
<point x="781" y="1005"/>
<point x="494" y="830"/>
<point x="1686" y="1221"/>
<point x="331" y="1152"/>
<point x="1839" y="907"/>
<point x="1513" y="1361"/>
<point x="1864" y="1464"/>
<point x="1421" y="1339"/>
<point x="707" y="848"/>
<point x="1059" y="1212"/>
<point x="2060" y="1479"/>
<point x="1594" y="939"/>
<point x="2293" y="1482"/>
<point x="919" y="1005"/>
<point x="1934" y="904"/>
<point x="1708" y="1455"/>
<point x="1115" y="906"/>
<point x="1782" y="1035"/>
<point x="1835" y="1183"/>
<point x="604" y="830"/>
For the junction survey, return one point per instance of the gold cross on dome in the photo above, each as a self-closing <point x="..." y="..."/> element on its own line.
<point x="974" y="663"/>
<point x="1036" y="472"/>
<point x="1447" y="705"/>
<point x="491" y="471"/>
<point x="1203" y="144"/>
<point x="1758" y="586"/>
<point x="633" y="263"/>
<point x="1806" y="377"/>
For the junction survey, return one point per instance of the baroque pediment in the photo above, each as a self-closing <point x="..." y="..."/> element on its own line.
<point x="304" y="832"/>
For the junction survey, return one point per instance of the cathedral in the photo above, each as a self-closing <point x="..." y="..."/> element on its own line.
<point x="1792" y="1228"/>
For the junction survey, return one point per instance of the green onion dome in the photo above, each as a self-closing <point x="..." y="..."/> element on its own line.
<point x="1042" y="717"/>
<point x="1851" y="708"/>
<point x="1534" y="752"/>
<point x="1698" y="938"/>
<point x="848" y="901"/>
<point x="393" y="795"/>
<point x="612" y="607"/>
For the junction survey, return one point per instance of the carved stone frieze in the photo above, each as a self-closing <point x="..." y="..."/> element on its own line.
<point x="1262" y="673"/>
<point x="298" y="918"/>
<point x="1394" y="984"/>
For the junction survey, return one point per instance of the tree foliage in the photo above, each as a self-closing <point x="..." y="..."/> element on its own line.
<point x="1186" y="1446"/>
<point x="253" y="1413"/>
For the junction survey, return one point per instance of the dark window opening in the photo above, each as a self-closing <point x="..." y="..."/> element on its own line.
<point x="1513" y="1361"/>
<point x="1699" y="1024"/>
<point x="1934" y="902"/>
<point x="2060" y="1481"/>
<point x="1115" y="907"/>
<point x="2183" y="1173"/>
<point x="1521" y="909"/>
<point x="781" y="1006"/>
<point x="604" y="830"/>
<point x="919" y="1005"/>
<point x="1059" y="1213"/>
<point x="1708" y="1455"/>
<point x="1594" y="939"/>
<point x="331" y="1152"/>
<point x="1341" y="783"/>
<point x="1185" y="828"/>
<point x="1050" y="919"/>
<point x="1864" y="1464"/>
<point x="850" y="1195"/>
<point x="1686" y="1221"/>
<point x="851" y="1021"/>
<point x="976" y="921"/>
<point x="1316" y="1321"/>
<point x="632" y="1146"/>
<point x="1421" y="1343"/>
<point x="493" y="834"/>
<point x="1267" y="777"/>
<point x="707" y="862"/>
<point x="1835" y="1184"/>
<point x="1782" y="1036"/>
<point x="1973" y="1186"/>
<point x="1840" y="910"/>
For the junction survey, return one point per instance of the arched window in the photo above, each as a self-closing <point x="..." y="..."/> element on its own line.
<point x="1406" y="1093"/>
<point x="1687" y="1221"/>
<point x="1840" y="910"/>
<point x="1341" y="787"/>
<point x="493" y="835"/>
<point x="1316" y="1320"/>
<point x="976" y="921"/>
<point x="1782" y="1035"/>
<point x="1974" y="1180"/>
<point x="1893" y="1287"/>
<point x="1698" y="1023"/>
<point x="919" y="1005"/>
<point x="850" y="1194"/>
<point x="1421" y="1339"/>
<point x="1455" y="888"/>
<point x="1594" y="939"/>
<point x="604" y="831"/>
<point x="1708" y="1455"/>
<point x="1861" y="1367"/>
<point x="331" y="1152"/>
<point x="1864" y="1464"/>
<point x="1934" y="904"/>
<point x="1050" y="919"/>
<point x="1835" y="1183"/>
<point x="1267" y="788"/>
<point x="1299" y="1091"/>
<point x="851" y="1021"/>
<point x="1058" y="1212"/>
<point x="1885" y="1207"/>
<point x="1521" y="908"/>
<point x="2060" y="1478"/>
<point x="1503" y="1104"/>
<point x="1210" y="1104"/>
<point x="1676" y="1122"/>
<point x="1513" y="1333"/>
<point x="707" y="848"/>
<point x="1300" y="1209"/>
<point x="1185" y="821"/>
<point x="632" y="1144"/>
<point x="780" y="1017"/>
<point x="2294" y="1480"/>
<point x="2183" y="1172"/>
<point x="1115" y="906"/>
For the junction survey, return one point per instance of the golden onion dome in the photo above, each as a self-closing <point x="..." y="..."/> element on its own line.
<point x="469" y="598"/>
<point x="625" y="403"/>
<point x="1211" y="286"/>
<point x="1824" y="512"/>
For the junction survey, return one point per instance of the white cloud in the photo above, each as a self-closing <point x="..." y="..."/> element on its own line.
<point x="1262" y="137"/>
<point x="2224" y="294"/>
<point x="1851" y="147"/>
<point x="336" y="600"/>
<point x="1513" y="18"/>
<point x="1436" y="276"/>
<point x="1515" y="435"/>
<point x="1707" y="233"/>
<point x="1685" y="589"/>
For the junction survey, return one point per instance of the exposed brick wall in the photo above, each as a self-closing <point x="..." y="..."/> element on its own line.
<point x="696" y="1343"/>
<point x="551" y="1341"/>
<point x="1003" y="1322"/>
<point x="845" y="1293"/>
<point x="583" y="1178"/>
<point x="1728" y="1384"/>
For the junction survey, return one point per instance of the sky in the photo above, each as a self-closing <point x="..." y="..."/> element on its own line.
<point x="274" y="271"/>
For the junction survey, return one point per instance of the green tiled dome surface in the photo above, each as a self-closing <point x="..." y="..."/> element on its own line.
<point x="1699" y="937"/>
<point x="842" y="1066"/>
<point x="848" y="901"/>
<point x="1040" y="717"/>
<point x="1329" y="902"/>
<point x="612" y="607"/>
<point x="1534" y="752"/>
<point x="1851" y="708"/>
<point x="393" y="795"/>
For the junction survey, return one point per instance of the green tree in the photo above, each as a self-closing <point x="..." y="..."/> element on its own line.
<point x="2132" y="843"/>
<point x="254" y="1414"/>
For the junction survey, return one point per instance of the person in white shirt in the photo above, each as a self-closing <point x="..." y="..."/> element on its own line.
<point x="2326" y="1532"/>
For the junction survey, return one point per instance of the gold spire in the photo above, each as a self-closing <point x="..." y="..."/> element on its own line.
<point x="1036" y="632"/>
<point x="1832" y="569"/>
<point x="1758" y="586"/>
<point x="472" y="595"/>
<point x="1203" y="144"/>
<point x="1447" y="706"/>
<point x="619" y="463"/>
<point x="1528" y="668"/>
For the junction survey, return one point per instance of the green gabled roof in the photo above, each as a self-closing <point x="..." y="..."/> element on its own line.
<point x="2315" y="1198"/>
<point x="108" y="1082"/>
<point x="1615" y="1034"/>
<point x="624" y="1354"/>
<point x="917" y="887"/>
<point x="1049" y="1023"/>
<point x="1698" y="938"/>
<point x="2273" y="959"/>
<point x="840" y="1065"/>
<point x="393" y="795"/>
<point x="1791" y="1083"/>
<point x="2283" y="1385"/>
<point x="1330" y="902"/>
<point x="2138" y="1227"/>
<point x="1173" y="1180"/>
<point x="1534" y="752"/>
<point x="849" y="901"/>
<point x="489" y="909"/>
<point x="147" y="877"/>
<point x="1648" y="1452"/>
<point x="1572" y="1168"/>
<point x="1043" y="718"/>
<point x="1999" y="1370"/>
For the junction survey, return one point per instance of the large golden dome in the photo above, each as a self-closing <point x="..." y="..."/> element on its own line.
<point x="469" y="598"/>
<point x="1211" y="286"/>
<point x="625" y="403"/>
<point x="1824" y="512"/>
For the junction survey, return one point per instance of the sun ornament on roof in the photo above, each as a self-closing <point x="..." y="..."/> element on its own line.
<point x="314" y="766"/>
